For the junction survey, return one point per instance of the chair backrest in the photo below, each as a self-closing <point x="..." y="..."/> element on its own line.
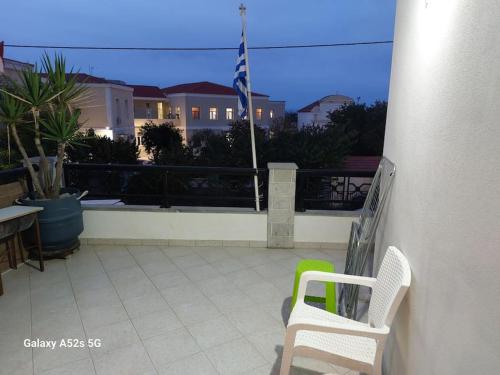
<point x="393" y="280"/>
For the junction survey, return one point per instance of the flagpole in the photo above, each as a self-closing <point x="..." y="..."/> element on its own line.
<point x="250" y="106"/>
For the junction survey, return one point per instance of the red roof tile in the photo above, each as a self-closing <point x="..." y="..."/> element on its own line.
<point x="361" y="163"/>
<point x="144" y="91"/>
<point x="205" y="87"/>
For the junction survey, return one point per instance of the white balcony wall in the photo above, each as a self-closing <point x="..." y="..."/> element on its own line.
<point x="166" y="225"/>
<point x="329" y="229"/>
<point x="443" y="134"/>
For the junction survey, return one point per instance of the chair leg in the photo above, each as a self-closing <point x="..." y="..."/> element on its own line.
<point x="20" y="245"/>
<point x="377" y="366"/>
<point x="287" y="357"/>
<point x="39" y="244"/>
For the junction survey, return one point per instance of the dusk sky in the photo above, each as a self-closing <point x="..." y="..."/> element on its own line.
<point x="298" y="76"/>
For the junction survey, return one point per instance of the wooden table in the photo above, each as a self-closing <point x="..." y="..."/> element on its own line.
<point x="15" y="212"/>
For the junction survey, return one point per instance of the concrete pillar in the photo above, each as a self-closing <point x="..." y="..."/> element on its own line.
<point x="281" y="205"/>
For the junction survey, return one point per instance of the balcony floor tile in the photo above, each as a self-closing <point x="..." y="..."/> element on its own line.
<point x="158" y="310"/>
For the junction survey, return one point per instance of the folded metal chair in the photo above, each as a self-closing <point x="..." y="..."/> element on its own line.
<point x="362" y="236"/>
<point x="319" y="334"/>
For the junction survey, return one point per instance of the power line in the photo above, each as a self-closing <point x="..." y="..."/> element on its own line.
<point x="292" y="46"/>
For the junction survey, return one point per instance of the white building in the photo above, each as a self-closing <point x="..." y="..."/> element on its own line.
<point x="150" y="106"/>
<point x="206" y="105"/>
<point x="317" y="112"/>
<point x="109" y="107"/>
<point x="117" y="110"/>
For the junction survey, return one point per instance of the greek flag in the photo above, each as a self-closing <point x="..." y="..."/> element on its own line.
<point x="240" y="81"/>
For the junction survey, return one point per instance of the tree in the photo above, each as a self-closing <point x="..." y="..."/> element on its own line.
<point x="288" y="123"/>
<point x="311" y="146"/>
<point x="99" y="149"/>
<point x="240" y="144"/>
<point x="45" y="101"/>
<point x="211" y="148"/>
<point x="366" y="123"/>
<point x="164" y="143"/>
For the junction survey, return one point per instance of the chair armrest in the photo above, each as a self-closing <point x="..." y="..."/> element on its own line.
<point x="310" y="324"/>
<point x="331" y="277"/>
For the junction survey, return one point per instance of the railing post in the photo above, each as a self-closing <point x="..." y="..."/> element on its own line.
<point x="166" y="202"/>
<point x="281" y="205"/>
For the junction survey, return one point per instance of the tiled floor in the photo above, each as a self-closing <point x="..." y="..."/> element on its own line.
<point x="156" y="310"/>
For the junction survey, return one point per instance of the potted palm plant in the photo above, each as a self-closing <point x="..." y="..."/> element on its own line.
<point x="45" y="102"/>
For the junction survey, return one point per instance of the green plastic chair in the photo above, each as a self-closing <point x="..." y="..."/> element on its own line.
<point x="330" y="299"/>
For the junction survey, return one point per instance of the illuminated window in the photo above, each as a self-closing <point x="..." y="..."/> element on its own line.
<point x="148" y="110"/>
<point x="195" y="113"/>
<point x="258" y="113"/>
<point x="212" y="113"/>
<point x="160" y="110"/>
<point x="229" y="113"/>
<point x="177" y="112"/>
<point x="271" y="114"/>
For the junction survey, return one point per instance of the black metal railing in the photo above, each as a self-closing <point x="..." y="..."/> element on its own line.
<point x="331" y="189"/>
<point x="14" y="175"/>
<point x="168" y="185"/>
<point x="316" y="189"/>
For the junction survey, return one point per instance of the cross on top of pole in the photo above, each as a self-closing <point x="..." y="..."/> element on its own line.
<point x="243" y="9"/>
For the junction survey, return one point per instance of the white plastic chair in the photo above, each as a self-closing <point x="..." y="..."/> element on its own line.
<point x="319" y="334"/>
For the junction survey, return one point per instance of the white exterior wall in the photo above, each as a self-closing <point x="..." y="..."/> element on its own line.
<point x="180" y="101"/>
<point x="225" y="226"/>
<point x="443" y="134"/>
<point x="221" y="102"/>
<point x="319" y="114"/>
<point x="305" y="118"/>
<point x="326" y="228"/>
<point x="124" y="112"/>
<point x="100" y="112"/>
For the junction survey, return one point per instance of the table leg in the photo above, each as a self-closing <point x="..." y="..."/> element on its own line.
<point x="9" y="255"/>
<point x="13" y="250"/>
<point x="8" y="247"/>
<point x="20" y="244"/>
<point x="39" y="244"/>
<point x="1" y="285"/>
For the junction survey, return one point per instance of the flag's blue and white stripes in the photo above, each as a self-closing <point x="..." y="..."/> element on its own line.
<point x="240" y="81"/>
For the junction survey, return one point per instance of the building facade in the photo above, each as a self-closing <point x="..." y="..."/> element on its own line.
<point x="150" y="106"/>
<point x="117" y="110"/>
<point x="206" y="105"/>
<point x="107" y="107"/>
<point x="317" y="112"/>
